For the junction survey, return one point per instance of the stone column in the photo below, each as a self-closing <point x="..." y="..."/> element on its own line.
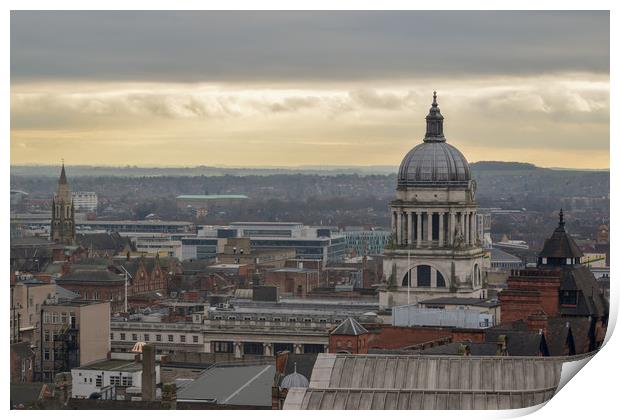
<point x="451" y="226"/>
<point x="475" y="226"/>
<point x="441" y="233"/>
<point x="238" y="349"/>
<point x="267" y="349"/>
<point x="409" y="228"/>
<point x="429" y="216"/>
<point x="466" y="218"/>
<point x="394" y="223"/>
<point x="399" y="228"/>
<point x="462" y="223"/>
<point x="419" y="230"/>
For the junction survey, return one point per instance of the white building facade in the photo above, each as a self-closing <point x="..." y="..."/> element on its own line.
<point x="85" y="201"/>
<point x="435" y="248"/>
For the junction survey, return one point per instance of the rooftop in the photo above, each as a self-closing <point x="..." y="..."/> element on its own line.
<point x="461" y="301"/>
<point x="212" y="197"/>
<point x="233" y="385"/>
<point x="114" y="365"/>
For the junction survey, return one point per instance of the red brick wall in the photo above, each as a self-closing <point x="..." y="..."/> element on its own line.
<point x="349" y="343"/>
<point x="515" y="305"/>
<point x="389" y="337"/>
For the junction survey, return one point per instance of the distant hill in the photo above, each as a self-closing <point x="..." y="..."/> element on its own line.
<point x="326" y="170"/>
<point x="492" y="165"/>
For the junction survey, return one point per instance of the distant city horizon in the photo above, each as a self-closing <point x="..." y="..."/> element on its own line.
<point x="286" y="167"/>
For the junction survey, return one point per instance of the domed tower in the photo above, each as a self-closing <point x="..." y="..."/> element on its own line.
<point x="435" y="249"/>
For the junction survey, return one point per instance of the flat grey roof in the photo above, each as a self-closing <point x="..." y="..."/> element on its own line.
<point x="232" y="385"/>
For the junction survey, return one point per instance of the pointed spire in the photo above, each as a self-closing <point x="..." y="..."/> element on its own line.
<point x="434" y="123"/>
<point x="63" y="176"/>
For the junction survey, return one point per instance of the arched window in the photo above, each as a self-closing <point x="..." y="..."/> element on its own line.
<point x="441" y="282"/>
<point x="424" y="275"/>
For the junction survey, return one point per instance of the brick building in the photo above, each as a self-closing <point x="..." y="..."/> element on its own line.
<point x="349" y="337"/>
<point x="560" y="286"/>
<point x="293" y="281"/>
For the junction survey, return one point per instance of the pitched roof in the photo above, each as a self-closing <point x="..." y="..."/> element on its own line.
<point x="90" y="275"/>
<point x="24" y="393"/>
<point x="590" y="302"/>
<point x="232" y="385"/>
<point x="349" y="327"/>
<point x="503" y="256"/>
<point x="559" y="336"/>
<point x="560" y="244"/>
<point x="518" y="342"/>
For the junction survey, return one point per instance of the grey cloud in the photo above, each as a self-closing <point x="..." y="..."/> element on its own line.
<point x="370" y="98"/>
<point x="303" y="46"/>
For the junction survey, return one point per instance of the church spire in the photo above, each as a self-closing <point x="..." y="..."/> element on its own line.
<point x="63" y="176"/>
<point x="434" y="123"/>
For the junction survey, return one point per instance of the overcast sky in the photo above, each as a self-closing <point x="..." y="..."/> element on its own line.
<point x="292" y="88"/>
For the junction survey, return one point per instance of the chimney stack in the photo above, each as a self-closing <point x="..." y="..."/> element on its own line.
<point x="148" y="372"/>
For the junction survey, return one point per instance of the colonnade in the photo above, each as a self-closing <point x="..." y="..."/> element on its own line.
<point x="433" y="227"/>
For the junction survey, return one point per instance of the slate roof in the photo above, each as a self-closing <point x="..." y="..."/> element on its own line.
<point x="103" y="241"/>
<point x="519" y="342"/>
<point x="560" y="244"/>
<point x="559" y="336"/>
<point x="590" y="302"/>
<point x="24" y="393"/>
<point x="232" y="385"/>
<point x="90" y="275"/>
<point x="386" y="382"/>
<point x="498" y="255"/>
<point x="581" y="327"/>
<point x="349" y="327"/>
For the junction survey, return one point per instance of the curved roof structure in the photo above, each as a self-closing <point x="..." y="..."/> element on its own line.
<point x="434" y="162"/>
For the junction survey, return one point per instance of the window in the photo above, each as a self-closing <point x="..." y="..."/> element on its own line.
<point x="123" y="336"/>
<point x="246" y="318"/>
<point x="182" y="339"/>
<point x="158" y="337"/>
<point x="54" y="317"/>
<point x="170" y="338"/>
<point x="99" y="380"/>
<point x="424" y="275"/>
<point x="277" y="319"/>
<point x="63" y="317"/>
<point x="134" y="337"/>
<point x="195" y="338"/>
<point x="46" y="354"/>
<point x="222" y="347"/>
<point x="46" y="317"/>
<point x="292" y="320"/>
<point x="307" y="319"/>
<point x="147" y="337"/>
<point x="46" y="336"/>
<point x="232" y="318"/>
<point x="262" y="318"/>
<point x="115" y="380"/>
<point x="111" y="336"/>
